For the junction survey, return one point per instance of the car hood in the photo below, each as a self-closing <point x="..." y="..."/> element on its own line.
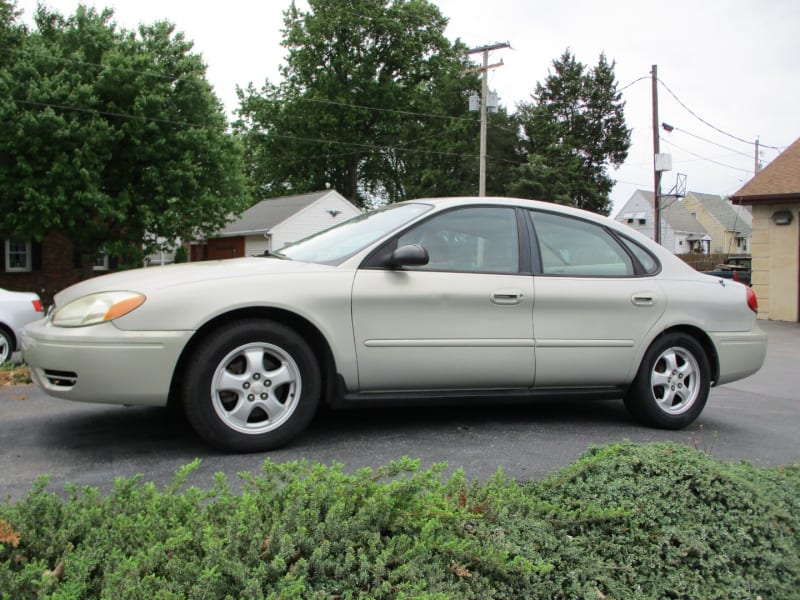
<point x="148" y="280"/>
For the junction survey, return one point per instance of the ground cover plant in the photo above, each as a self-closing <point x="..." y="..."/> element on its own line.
<point x="625" y="521"/>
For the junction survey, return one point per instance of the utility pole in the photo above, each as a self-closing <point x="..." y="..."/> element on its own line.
<point x="757" y="168"/>
<point x="484" y="95"/>
<point x="656" y="152"/>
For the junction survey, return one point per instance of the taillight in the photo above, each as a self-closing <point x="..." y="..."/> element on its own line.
<point x="37" y="305"/>
<point x="752" y="301"/>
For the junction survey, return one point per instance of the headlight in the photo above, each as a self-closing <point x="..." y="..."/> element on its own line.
<point x="96" y="308"/>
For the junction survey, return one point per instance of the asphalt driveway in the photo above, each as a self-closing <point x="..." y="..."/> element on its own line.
<point x="755" y="419"/>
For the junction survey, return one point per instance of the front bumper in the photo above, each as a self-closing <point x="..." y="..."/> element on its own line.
<point x="740" y="353"/>
<point x="102" y="363"/>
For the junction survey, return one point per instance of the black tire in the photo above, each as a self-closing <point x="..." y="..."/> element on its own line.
<point x="671" y="388"/>
<point x="251" y="386"/>
<point x="6" y="346"/>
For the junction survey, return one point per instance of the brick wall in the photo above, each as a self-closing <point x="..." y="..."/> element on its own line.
<point x="53" y="269"/>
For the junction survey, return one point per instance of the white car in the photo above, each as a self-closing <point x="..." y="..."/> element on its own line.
<point x="418" y="302"/>
<point x="16" y="310"/>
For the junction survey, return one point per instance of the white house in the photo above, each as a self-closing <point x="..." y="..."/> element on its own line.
<point x="681" y="233"/>
<point x="273" y="223"/>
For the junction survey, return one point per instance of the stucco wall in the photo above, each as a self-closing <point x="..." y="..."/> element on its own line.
<point x="776" y="263"/>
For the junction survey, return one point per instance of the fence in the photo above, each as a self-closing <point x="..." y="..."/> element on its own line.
<point x="705" y="262"/>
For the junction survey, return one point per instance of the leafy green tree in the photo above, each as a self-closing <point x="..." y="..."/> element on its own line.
<point x="112" y="137"/>
<point x="573" y="131"/>
<point x="373" y="102"/>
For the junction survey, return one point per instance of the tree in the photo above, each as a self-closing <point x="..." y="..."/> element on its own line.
<point x="373" y="102"/>
<point x="112" y="137"/>
<point x="573" y="131"/>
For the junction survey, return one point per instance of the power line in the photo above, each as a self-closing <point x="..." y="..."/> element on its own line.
<point x="106" y="113"/>
<point x="383" y="147"/>
<point x="642" y="78"/>
<point x="714" y="127"/>
<point x="710" y="142"/>
<point x="387" y="110"/>
<point x="711" y="160"/>
<point x="173" y="78"/>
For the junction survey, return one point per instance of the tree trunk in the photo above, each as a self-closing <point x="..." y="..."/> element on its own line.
<point x="350" y="190"/>
<point x="87" y="266"/>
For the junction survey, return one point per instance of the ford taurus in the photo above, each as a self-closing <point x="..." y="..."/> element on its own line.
<point x="454" y="299"/>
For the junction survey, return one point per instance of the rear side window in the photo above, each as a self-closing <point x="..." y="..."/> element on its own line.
<point x="577" y="248"/>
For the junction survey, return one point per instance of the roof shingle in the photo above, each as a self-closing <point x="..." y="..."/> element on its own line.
<point x="265" y="215"/>
<point x="778" y="181"/>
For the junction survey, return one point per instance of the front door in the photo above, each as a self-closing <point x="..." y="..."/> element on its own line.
<point x="461" y="322"/>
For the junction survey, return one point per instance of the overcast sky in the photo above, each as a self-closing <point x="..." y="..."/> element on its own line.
<point x="731" y="63"/>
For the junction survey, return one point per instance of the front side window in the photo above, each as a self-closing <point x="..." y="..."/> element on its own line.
<point x="18" y="256"/>
<point x="569" y="246"/>
<point x="475" y="239"/>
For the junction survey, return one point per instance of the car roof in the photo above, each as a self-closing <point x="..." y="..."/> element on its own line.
<point x="447" y="202"/>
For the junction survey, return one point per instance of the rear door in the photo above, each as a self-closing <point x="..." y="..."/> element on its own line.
<point x="596" y="301"/>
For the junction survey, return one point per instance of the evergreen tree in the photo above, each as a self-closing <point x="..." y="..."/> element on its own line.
<point x="573" y="131"/>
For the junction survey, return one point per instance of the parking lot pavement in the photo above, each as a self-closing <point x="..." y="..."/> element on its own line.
<point x="755" y="419"/>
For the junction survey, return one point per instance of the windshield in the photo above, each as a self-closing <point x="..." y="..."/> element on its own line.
<point x="341" y="241"/>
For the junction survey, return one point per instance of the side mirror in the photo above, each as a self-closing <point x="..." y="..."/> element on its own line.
<point x="412" y="255"/>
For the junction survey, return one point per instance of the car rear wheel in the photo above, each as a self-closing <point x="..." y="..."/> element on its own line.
<point x="251" y="386"/>
<point x="6" y="346"/>
<point x="672" y="385"/>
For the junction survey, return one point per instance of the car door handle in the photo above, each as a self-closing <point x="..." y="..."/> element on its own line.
<point x="643" y="299"/>
<point x="506" y="297"/>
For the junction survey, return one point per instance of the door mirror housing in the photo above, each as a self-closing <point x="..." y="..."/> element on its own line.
<point x="412" y="255"/>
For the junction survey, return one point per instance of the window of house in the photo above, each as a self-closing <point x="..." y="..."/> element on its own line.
<point x="741" y="244"/>
<point x="101" y="261"/>
<point x="18" y="256"/>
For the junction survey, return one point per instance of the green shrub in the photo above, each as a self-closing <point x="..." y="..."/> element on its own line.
<point x="625" y="521"/>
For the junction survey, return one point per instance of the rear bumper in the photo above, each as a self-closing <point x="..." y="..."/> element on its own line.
<point x="740" y="353"/>
<point x="103" y="363"/>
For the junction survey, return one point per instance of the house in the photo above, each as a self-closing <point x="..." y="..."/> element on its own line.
<point x="681" y="233"/>
<point x="273" y="223"/>
<point x="729" y="226"/>
<point x="774" y="195"/>
<point x="51" y="265"/>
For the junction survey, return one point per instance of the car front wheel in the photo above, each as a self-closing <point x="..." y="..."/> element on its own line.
<point x="251" y="386"/>
<point x="671" y="388"/>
